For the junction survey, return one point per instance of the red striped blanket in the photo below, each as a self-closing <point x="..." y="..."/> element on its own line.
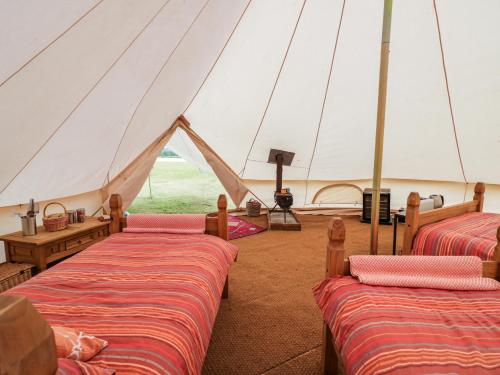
<point x="153" y="297"/>
<point x="469" y="234"/>
<point x="389" y="330"/>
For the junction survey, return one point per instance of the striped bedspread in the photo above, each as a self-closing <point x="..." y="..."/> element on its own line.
<point x="469" y="234"/>
<point x="389" y="330"/>
<point x="153" y="297"/>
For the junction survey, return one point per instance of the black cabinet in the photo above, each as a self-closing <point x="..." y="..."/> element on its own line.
<point x="385" y="206"/>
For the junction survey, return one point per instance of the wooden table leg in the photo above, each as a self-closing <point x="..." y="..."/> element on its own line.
<point x="40" y="260"/>
<point x="7" y="251"/>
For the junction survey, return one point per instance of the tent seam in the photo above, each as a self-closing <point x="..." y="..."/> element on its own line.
<point x="218" y="57"/>
<point x="149" y="89"/>
<point x="82" y="100"/>
<point x="327" y="88"/>
<point x="274" y="87"/>
<point x="448" y="92"/>
<point x="52" y="42"/>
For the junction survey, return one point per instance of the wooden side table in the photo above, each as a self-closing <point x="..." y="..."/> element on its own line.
<point x="46" y="247"/>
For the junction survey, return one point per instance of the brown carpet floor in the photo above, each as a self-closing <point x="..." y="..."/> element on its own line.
<point x="270" y="324"/>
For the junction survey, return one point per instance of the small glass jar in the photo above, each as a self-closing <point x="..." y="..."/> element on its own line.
<point x="80" y="214"/>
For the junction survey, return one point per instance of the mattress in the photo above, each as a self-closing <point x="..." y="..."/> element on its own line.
<point x="391" y="330"/>
<point x="469" y="234"/>
<point x="153" y="297"/>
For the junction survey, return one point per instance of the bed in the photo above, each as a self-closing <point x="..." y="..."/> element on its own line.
<point x="153" y="296"/>
<point x="461" y="229"/>
<point x="372" y="329"/>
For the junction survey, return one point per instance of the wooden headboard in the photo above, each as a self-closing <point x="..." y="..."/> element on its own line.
<point x="216" y="223"/>
<point x="336" y="265"/>
<point x="416" y="219"/>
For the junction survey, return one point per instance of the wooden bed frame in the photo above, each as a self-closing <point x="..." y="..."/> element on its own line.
<point x="216" y="223"/>
<point x="416" y="219"/>
<point x="336" y="265"/>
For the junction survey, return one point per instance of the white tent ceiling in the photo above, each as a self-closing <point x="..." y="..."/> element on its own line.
<point x="86" y="86"/>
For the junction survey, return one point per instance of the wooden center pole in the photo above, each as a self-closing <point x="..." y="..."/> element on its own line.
<point x="379" y="137"/>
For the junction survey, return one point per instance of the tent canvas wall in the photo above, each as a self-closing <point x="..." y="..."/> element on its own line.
<point x="87" y="86"/>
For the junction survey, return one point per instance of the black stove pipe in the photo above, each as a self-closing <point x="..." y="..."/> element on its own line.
<point x="279" y="172"/>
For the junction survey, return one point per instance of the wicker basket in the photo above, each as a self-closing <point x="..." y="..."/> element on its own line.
<point x="12" y="274"/>
<point x="253" y="208"/>
<point x="55" y="222"/>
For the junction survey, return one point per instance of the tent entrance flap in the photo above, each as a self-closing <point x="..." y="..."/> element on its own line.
<point x="130" y="180"/>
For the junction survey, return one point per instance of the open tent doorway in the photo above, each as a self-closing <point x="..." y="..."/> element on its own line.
<point x="181" y="181"/>
<point x="130" y="180"/>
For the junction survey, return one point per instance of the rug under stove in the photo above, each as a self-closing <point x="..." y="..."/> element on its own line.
<point x="238" y="228"/>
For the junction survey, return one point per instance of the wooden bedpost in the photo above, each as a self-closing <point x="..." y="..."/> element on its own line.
<point x="335" y="248"/>
<point x="411" y="222"/>
<point x="479" y="195"/>
<point x="222" y="216"/>
<point x="116" y="212"/>
<point x="334" y="267"/>
<point x="222" y="232"/>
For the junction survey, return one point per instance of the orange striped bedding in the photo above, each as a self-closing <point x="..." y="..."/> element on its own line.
<point x="473" y="233"/>
<point x="71" y="367"/>
<point x="152" y="297"/>
<point x="404" y="331"/>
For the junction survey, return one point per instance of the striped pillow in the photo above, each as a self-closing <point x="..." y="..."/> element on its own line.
<point x="75" y="344"/>
<point x="413" y="271"/>
<point x="166" y="223"/>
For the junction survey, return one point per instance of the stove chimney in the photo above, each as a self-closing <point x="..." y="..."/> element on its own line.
<point x="279" y="172"/>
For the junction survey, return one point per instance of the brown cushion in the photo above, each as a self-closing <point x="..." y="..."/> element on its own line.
<point x="27" y="343"/>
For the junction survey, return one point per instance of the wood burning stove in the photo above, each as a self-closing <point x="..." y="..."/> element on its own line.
<point x="282" y="196"/>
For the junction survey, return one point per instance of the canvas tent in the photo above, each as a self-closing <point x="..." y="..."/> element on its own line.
<point x="89" y="91"/>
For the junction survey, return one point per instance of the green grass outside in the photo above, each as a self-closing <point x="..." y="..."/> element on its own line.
<point x="179" y="188"/>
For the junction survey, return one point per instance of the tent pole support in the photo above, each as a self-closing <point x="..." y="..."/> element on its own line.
<point x="379" y="137"/>
<point x="149" y="183"/>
